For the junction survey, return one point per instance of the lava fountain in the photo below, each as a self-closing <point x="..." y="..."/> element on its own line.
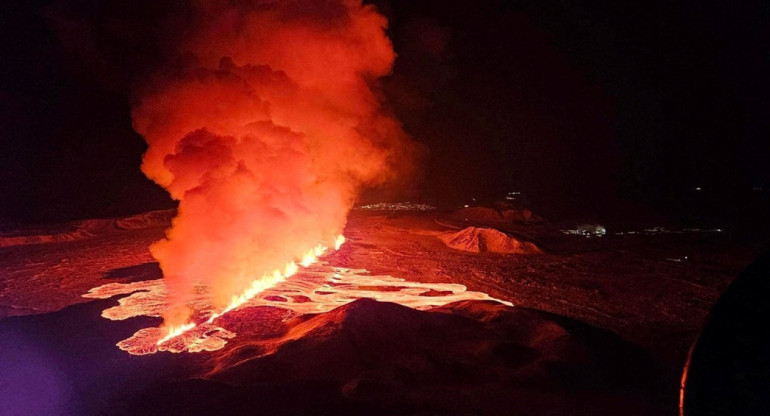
<point x="257" y="286"/>
<point x="265" y="125"/>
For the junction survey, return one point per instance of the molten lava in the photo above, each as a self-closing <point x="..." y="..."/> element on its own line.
<point x="257" y="286"/>
<point x="317" y="289"/>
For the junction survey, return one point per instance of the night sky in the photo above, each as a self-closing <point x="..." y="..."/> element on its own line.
<point x="582" y="107"/>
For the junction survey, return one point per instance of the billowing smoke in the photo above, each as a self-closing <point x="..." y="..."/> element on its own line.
<point x="265" y="126"/>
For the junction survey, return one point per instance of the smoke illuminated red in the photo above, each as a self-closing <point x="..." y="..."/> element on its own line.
<point x="265" y="127"/>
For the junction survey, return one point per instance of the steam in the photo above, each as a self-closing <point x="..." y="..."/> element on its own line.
<point x="265" y="126"/>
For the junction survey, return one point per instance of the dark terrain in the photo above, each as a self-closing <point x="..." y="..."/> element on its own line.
<point x="600" y="326"/>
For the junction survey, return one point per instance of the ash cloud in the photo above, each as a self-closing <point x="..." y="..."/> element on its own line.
<point x="265" y="125"/>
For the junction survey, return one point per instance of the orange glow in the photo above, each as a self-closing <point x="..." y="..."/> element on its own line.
<point x="257" y="286"/>
<point x="265" y="124"/>
<point x="175" y="332"/>
<point x="339" y="242"/>
<point x="321" y="288"/>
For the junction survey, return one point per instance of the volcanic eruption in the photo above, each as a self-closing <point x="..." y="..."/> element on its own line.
<point x="265" y="124"/>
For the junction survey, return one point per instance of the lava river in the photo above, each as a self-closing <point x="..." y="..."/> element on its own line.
<point x="316" y="289"/>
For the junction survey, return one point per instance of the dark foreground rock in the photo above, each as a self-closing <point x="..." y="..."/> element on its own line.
<point x="465" y="358"/>
<point x="366" y="357"/>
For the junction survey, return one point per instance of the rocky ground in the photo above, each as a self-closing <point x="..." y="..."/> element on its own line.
<point x="600" y="325"/>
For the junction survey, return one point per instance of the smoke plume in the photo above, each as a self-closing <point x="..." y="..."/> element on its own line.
<point x="265" y="125"/>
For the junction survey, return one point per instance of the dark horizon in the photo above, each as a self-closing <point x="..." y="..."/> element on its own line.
<point x="583" y="108"/>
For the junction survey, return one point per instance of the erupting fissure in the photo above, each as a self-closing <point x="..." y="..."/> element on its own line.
<point x="266" y="123"/>
<point x="317" y="289"/>
<point x="258" y="286"/>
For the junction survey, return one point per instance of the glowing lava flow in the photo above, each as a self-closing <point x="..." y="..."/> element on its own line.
<point x="257" y="286"/>
<point x="318" y="289"/>
<point x="176" y="331"/>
